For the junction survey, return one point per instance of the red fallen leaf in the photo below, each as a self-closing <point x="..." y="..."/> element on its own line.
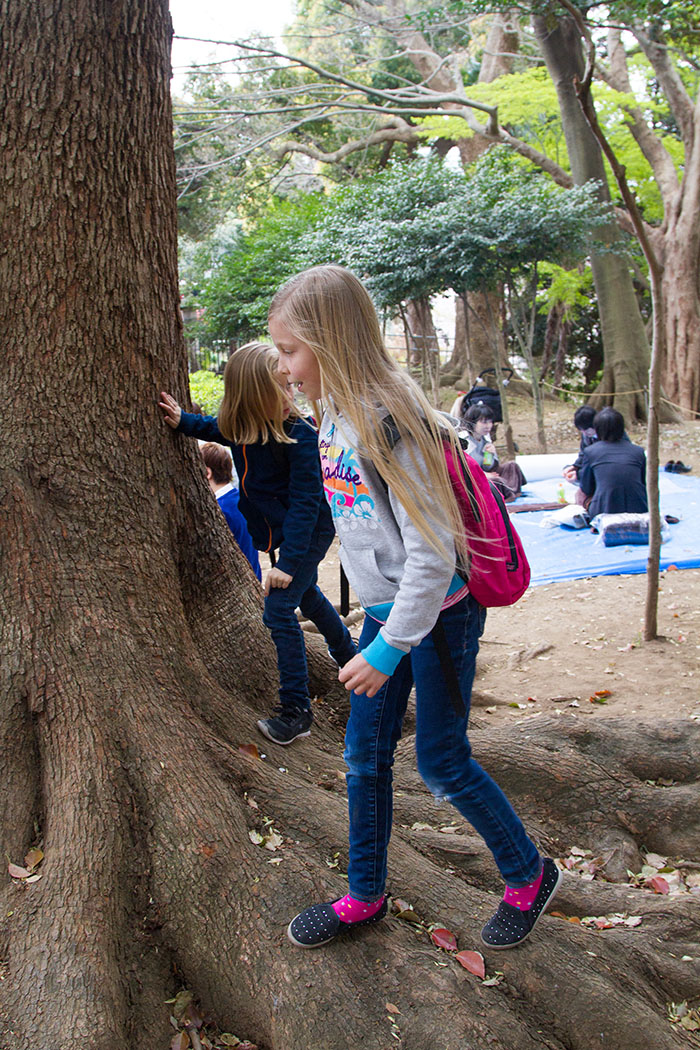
<point x="245" y="1045"/>
<point x="444" y="939"/>
<point x="192" y="1017"/>
<point x="575" y="919"/>
<point x="657" y="884"/>
<point x="249" y="749"/>
<point x="602" y="924"/>
<point x="17" y="872"/>
<point x="472" y="961"/>
<point x="602" y="692"/>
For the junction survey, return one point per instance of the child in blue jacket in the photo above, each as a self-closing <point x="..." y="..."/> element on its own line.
<point x="275" y="453"/>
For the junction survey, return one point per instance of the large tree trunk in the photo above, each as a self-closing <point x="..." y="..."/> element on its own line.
<point x="625" y="341"/>
<point x="133" y="663"/>
<point x="681" y="295"/>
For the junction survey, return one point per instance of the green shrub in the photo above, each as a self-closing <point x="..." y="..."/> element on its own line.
<point x="207" y="389"/>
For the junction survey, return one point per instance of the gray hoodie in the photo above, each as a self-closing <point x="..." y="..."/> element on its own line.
<point x="398" y="577"/>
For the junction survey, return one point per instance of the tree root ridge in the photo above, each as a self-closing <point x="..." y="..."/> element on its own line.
<point x="179" y="857"/>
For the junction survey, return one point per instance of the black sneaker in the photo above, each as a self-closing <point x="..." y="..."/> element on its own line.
<point x="286" y="726"/>
<point x="680" y="468"/>
<point x="511" y="926"/>
<point x="319" y="924"/>
<point x="670" y="467"/>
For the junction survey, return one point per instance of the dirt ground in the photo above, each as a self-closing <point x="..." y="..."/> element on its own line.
<point x="564" y="644"/>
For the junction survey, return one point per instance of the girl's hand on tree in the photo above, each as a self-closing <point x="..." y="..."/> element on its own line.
<point x="359" y="676"/>
<point x="277" y="578"/>
<point x="170" y="408"/>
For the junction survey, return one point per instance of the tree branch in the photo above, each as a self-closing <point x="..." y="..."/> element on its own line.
<point x="671" y="84"/>
<point x="660" y="160"/>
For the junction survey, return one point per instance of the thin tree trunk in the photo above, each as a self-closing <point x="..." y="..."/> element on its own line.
<point x="656" y="270"/>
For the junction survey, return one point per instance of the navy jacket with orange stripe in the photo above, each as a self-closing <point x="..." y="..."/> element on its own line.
<point x="281" y="492"/>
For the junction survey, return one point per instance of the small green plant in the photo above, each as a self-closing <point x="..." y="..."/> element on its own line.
<point x="207" y="389"/>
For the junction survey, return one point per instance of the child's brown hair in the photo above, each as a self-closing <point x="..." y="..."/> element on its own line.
<point x="253" y="405"/>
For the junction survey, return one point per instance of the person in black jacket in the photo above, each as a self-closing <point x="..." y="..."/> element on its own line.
<point x="583" y="421"/>
<point x="613" y="470"/>
<point x="275" y="452"/>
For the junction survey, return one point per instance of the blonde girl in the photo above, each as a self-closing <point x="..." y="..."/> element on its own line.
<point x="275" y="453"/>
<point x="383" y="464"/>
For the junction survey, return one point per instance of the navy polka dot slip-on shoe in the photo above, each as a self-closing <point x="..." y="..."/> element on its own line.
<point x="319" y="924"/>
<point x="510" y="926"/>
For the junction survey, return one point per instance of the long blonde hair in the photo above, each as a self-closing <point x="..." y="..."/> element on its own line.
<point x="253" y="404"/>
<point x="330" y="310"/>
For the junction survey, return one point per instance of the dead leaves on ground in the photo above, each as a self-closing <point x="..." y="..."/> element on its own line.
<point x="195" y="1030"/>
<point x="657" y="876"/>
<point x="687" y="1017"/>
<point x="446" y="941"/>
<point x="27" y="874"/>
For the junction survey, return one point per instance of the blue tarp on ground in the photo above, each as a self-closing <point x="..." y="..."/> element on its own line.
<point x="568" y="554"/>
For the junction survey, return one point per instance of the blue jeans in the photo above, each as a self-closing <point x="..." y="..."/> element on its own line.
<point x="279" y="616"/>
<point x="443" y="753"/>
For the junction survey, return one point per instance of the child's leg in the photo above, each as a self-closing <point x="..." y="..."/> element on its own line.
<point x="373" y="730"/>
<point x="316" y="607"/>
<point x="444" y="752"/>
<point x="446" y="765"/>
<point x="279" y="616"/>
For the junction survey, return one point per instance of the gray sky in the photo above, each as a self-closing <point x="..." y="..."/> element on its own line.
<point x="222" y="20"/>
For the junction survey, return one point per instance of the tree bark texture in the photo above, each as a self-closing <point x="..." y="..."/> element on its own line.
<point x="133" y="664"/>
<point x="625" y="342"/>
<point x="680" y="252"/>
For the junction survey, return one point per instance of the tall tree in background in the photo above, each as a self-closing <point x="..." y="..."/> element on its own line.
<point x="625" y="340"/>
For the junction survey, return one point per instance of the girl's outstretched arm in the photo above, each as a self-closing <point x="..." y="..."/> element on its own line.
<point x="170" y="408"/>
<point x="189" y="423"/>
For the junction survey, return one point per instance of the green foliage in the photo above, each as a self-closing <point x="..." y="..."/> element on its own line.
<point x="422" y="228"/>
<point x="528" y="108"/>
<point x="238" y="294"/>
<point x="207" y="389"/>
<point x="572" y="289"/>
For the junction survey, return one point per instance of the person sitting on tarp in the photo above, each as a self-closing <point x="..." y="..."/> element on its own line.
<point x="507" y="477"/>
<point x="583" y="421"/>
<point x="613" y="470"/>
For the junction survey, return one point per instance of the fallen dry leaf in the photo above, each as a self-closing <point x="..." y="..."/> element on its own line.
<point x="472" y="961"/>
<point x="444" y="939"/>
<point x="392" y="1009"/>
<point x="18" y="872"/>
<point x="34" y="857"/>
<point x="249" y="749"/>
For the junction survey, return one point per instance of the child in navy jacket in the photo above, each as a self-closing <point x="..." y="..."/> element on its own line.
<point x="275" y="453"/>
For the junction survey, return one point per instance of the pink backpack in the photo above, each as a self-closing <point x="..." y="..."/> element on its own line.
<point x="498" y="573"/>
